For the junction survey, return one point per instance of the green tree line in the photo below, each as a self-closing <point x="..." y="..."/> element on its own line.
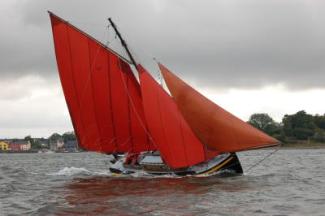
<point x="300" y="126"/>
<point x="67" y="136"/>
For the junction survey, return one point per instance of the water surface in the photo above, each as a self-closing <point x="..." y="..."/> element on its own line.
<point x="290" y="182"/>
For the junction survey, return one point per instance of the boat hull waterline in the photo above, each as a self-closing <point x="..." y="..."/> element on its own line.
<point x="150" y="164"/>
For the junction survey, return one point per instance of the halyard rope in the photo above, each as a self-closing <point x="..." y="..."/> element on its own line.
<point x="135" y="110"/>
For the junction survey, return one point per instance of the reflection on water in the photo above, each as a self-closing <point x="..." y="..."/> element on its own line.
<point x="124" y="196"/>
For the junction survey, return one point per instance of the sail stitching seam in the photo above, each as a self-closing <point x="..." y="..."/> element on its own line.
<point x="110" y="101"/>
<point x="126" y="88"/>
<point x="74" y="85"/>
<point x="137" y="114"/>
<point x="92" y="91"/>
<point x="163" y="128"/>
<point x="182" y="134"/>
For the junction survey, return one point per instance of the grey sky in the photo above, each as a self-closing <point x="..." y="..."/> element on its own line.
<point x="218" y="45"/>
<point x="230" y="43"/>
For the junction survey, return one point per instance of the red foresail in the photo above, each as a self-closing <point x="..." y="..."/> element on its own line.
<point x="178" y="145"/>
<point x="102" y="94"/>
<point x="214" y="126"/>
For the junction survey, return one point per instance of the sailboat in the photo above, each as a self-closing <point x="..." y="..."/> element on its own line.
<point x="118" y="108"/>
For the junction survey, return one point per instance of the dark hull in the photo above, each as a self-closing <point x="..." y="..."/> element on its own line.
<point x="228" y="165"/>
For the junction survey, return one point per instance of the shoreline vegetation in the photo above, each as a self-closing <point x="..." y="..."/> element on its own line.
<point x="299" y="130"/>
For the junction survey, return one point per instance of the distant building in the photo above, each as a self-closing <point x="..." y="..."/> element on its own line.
<point x="14" y="146"/>
<point x="56" y="145"/>
<point x="4" y="146"/>
<point x="71" y="146"/>
<point x="20" y="145"/>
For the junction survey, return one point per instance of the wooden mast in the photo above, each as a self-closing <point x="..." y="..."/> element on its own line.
<point x="123" y="43"/>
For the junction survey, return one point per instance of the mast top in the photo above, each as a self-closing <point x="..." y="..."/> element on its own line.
<point x="123" y="43"/>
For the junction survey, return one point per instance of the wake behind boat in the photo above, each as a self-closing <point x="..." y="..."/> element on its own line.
<point x="113" y="111"/>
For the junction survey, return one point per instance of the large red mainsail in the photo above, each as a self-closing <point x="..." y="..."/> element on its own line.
<point x="178" y="145"/>
<point x="214" y="126"/>
<point x="102" y="94"/>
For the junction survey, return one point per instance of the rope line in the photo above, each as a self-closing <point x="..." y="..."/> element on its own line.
<point x="135" y="110"/>
<point x="263" y="159"/>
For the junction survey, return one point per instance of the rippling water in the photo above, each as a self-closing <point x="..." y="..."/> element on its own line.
<point x="290" y="182"/>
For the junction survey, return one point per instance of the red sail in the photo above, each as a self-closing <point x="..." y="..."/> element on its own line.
<point x="102" y="94"/>
<point x="178" y="145"/>
<point x="214" y="126"/>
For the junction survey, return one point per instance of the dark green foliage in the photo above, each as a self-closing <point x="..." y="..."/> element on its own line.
<point x="265" y="123"/>
<point x="319" y="136"/>
<point x="280" y="136"/>
<point x="54" y="137"/>
<point x="300" y="125"/>
<point x="28" y="138"/>
<point x="68" y="136"/>
<point x="302" y="133"/>
<point x="35" y="144"/>
<point x="320" y="121"/>
<point x="295" y="127"/>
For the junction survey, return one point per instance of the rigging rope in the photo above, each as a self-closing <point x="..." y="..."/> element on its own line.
<point x="88" y="79"/>
<point x="106" y="34"/>
<point x="260" y="161"/>
<point x="135" y="110"/>
<point x="160" y="76"/>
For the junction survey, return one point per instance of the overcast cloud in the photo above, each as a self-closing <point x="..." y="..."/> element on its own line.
<point x="216" y="44"/>
<point x="230" y="43"/>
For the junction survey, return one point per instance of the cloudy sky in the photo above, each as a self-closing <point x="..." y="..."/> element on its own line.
<point x="246" y="55"/>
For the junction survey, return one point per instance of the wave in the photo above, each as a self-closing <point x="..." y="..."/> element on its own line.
<point x="71" y="171"/>
<point x="81" y="171"/>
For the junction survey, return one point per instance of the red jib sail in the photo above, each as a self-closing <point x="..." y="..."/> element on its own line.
<point x="214" y="126"/>
<point x="178" y="145"/>
<point x="102" y="94"/>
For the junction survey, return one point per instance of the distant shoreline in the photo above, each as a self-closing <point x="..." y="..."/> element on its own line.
<point x="284" y="146"/>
